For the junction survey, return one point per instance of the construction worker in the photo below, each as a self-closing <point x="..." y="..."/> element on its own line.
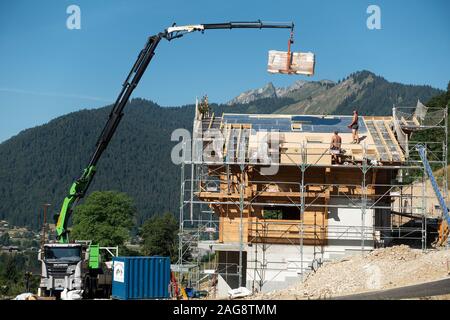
<point x="335" y="147"/>
<point x="204" y="106"/>
<point x="354" y="126"/>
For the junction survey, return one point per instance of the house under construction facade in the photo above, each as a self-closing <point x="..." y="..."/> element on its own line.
<point x="267" y="196"/>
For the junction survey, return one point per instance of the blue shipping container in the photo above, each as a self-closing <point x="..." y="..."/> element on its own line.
<point x="141" y="277"/>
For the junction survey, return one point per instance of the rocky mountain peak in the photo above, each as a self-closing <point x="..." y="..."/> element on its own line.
<point x="268" y="91"/>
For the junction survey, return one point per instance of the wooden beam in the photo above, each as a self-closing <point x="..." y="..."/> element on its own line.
<point x="397" y="146"/>
<point x="373" y="138"/>
<point x="227" y="141"/>
<point x="238" y="142"/>
<point x="211" y="121"/>
<point x="382" y="140"/>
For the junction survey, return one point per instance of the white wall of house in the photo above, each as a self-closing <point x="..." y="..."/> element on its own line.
<point x="345" y="231"/>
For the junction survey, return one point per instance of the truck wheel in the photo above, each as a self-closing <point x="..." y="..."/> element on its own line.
<point x="87" y="288"/>
<point x="42" y="292"/>
<point x="94" y="287"/>
<point x="108" y="291"/>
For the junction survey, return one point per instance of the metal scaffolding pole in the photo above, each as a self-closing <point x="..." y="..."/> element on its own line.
<point x="181" y="219"/>
<point x="241" y="227"/>
<point x="363" y="197"/>
<point x="424" y="212"/>
<point x="446" y="161"/>
<point x="302" y="208"/>
<point x="446" y="154"/>
<point x="191" y="211"/>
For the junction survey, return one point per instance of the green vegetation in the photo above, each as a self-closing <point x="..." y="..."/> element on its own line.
<point x="13" y="267"/>
<point x="363" y="90"/>
<point x="273" y="214"/>
<point x="23" y="240"/>
<point x="105" y="217"/>
<point x="377" y="97"/>
<point x="5" y="240"/>
<point x="38" y="165"/>
<point x="439" y="101"/>
<point x="160" y="236"/>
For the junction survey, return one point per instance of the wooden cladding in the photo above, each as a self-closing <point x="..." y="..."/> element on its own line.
<point x="262" y="193"/>
<point x="259" y="230"/>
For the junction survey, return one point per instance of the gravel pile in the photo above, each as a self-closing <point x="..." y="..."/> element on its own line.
<point x="380" y="269"/>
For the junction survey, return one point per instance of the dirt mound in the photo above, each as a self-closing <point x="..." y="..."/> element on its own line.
<point x="380" y="269"/>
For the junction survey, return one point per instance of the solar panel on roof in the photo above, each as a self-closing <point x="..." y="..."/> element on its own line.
<point x="309" y="123"/>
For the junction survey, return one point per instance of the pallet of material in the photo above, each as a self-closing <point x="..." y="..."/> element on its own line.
<point x="301" y="62"/>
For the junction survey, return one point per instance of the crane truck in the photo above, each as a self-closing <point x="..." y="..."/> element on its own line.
<point x="67" y="266"/>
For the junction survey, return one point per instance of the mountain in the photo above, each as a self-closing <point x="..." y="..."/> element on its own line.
<point x="368" y="93"/>
<point x="38" y="165"/>
<point x="268" y="91"/>
<point x="283" y="92"/>
<point x="377" y="96"/>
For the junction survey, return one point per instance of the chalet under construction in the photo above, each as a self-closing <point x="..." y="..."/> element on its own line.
<point x="267" y="196"/>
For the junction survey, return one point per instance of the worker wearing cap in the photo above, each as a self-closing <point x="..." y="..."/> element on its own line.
<point x="335" y="146"/>
<point x="354" y="126"/>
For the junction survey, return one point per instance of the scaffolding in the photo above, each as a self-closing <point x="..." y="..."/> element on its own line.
<point x="399" y="211"/>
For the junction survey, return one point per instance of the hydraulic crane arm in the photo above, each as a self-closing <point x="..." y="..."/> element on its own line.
<point x="445" y="222"/>
<point x="81" y="185"/>
<point x="178" y="31"/>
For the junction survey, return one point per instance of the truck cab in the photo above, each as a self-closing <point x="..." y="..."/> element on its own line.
<point x="75" y="266"/>
<point x="62" y="267"/>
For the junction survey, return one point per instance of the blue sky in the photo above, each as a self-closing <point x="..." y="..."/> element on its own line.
<point x="47" y="70"/>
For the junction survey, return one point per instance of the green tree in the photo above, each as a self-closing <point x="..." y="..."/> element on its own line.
<point x="13" y="267"/>
<point x="159" y="235"/>
<point x="11" y="273"/>
<point x="5" y="240"/>
<point x="435" y="135"/>
<point x="106" y="218"/>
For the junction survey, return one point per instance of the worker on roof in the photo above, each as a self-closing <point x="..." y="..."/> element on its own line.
<point x="335" y="147"/>
<point x="204" y="106"/>
<point x="354" y="126"/>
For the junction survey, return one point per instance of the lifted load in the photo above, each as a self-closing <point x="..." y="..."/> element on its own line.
<point x="291" y="63"/>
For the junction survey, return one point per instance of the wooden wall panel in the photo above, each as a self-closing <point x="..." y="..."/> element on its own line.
<point x="315" y="218"/>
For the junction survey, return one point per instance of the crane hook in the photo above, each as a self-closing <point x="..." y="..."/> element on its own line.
<point x="289" y="55"/>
